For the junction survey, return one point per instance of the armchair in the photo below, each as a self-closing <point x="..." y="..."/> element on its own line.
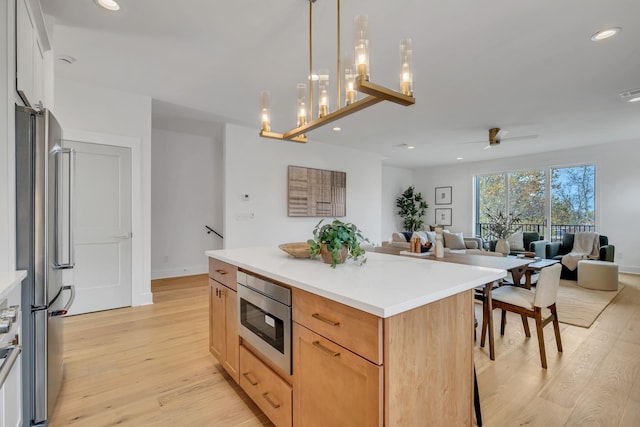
<point x="556" y="250"/>
<point x="532" y="243"/>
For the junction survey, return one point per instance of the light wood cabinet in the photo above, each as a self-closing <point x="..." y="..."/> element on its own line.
<point x="426" y="364"/>
<point x="223" y="318"/>
<point x="352" y="368"/>
<point x="334" y="386"/>
<point x="354" y="329"/>
<point x="270" y="392"/>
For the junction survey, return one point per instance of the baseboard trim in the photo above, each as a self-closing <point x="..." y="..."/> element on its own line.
<point x="179" y="272"/>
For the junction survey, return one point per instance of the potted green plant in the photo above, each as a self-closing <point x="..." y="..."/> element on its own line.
<point x="336" y="242"/>
<point x="501" y="226"/>
<point x="411" y="208"/>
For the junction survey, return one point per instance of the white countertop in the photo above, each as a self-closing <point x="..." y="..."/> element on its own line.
<point x="10" y="279"/>
<point x="385" y="286"/>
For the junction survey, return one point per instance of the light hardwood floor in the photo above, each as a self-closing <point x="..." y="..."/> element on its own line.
<point x="150" y="366"/>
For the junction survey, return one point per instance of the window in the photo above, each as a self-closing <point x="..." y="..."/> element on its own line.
<point x="572" y="200"/>
<point x="570" y="190"/>
<point x="517" y="193"/>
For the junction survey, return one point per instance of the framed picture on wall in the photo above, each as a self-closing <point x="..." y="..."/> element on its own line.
<point x="443" y="195"/>
<point x="316" y="192"/>
<point x="443" y="216"/>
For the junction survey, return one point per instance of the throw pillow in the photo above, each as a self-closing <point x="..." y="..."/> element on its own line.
<point x="422" y="235"/>
<point x="516" y="242"/>
<point x="472" y="245"/>
<point x="453" y="240"/>
<point x="431" y="235"/>
<point x="398" y="237"/>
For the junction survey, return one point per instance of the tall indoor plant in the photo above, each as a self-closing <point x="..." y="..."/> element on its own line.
<point x="336" y="242"/>
<point x="411" y="208"/>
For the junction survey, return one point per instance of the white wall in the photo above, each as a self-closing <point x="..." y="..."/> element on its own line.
<point x="186" y="194"/>
<point x="394" y="182"/>
<point x="7" y="160"/>
<point x="89" y="110"/>
<point x="617" y="201"/>
<point x="258" y="167"/>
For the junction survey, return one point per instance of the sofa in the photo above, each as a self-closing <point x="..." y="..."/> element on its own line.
<point x="556" y="250"/>
<point x="532" y="241"/>
<point x="451" y="241"/>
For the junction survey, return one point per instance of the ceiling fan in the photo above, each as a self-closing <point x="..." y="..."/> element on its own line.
<point x="496" y="135"/>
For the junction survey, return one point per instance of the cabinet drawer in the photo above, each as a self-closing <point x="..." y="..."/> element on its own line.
<point x="353" y="329"/>
<point x="270" y="392"/>
<point x="223" y="273"/>
<point x="334" y="387"/>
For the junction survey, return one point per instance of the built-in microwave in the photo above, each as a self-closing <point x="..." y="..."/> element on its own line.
<point x="264" y="311"/>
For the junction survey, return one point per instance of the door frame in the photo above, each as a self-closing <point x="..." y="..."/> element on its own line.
<point x="140" y="279"/>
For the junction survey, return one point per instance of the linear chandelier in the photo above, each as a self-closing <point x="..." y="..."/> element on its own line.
<point x="356" y="79"/>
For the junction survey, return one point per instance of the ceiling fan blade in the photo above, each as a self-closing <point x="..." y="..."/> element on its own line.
<point x="501" y="134"/>
<point x="520" y="138"/>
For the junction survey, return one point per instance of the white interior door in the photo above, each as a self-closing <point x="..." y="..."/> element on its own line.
<point x="102" y="227"/>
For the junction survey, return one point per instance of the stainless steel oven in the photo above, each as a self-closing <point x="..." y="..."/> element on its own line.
<point x="264" y="310"/>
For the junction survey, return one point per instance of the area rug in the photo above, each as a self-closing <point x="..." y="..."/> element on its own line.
<point x="579" y="306"/>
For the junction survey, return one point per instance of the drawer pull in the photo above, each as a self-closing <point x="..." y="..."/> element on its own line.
<point x="330" y="352"/>
<point x="253" y="382"/>
<point x="221" y="272"/>
<point x="324" y="319"/>
<point x="275" y="405"/>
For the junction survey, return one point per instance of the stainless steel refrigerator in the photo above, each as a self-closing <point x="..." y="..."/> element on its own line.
<point x="44" y="247"/>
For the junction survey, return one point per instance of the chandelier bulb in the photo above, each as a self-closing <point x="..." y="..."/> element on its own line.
<point x="406" y="67"/>
<point x="361" y="45"/>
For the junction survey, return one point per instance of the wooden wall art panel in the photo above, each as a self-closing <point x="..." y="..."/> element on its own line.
<point x="316" y="192"/>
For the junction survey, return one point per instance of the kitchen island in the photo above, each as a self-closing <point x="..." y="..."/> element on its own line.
<point x="386" y="343"/>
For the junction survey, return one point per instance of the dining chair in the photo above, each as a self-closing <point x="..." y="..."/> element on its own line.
<point x="539" y="304"/>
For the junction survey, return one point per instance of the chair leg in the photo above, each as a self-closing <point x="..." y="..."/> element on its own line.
<point x="556" y="326"/>
<point x="503" y="321"/>
<point x="476" y="398"/>
<point x="485" y="320"/>
<point x="475" y="328"/>
<point x="525" y="325"/>
<point x="543" y="356"/>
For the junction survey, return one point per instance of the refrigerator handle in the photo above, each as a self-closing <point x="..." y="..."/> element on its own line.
<point x="66" y="307"/>
<point x="68" y="262"/>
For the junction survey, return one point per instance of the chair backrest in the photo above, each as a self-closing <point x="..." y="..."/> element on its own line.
<point x="528" y="237"/>
<point x="567" y="243"/>
<point x="547" y="287"/>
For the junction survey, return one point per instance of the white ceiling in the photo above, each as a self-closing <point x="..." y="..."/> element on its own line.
<point x="528" y="67"/>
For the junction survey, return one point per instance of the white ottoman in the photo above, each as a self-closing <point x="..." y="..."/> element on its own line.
<point x="599" y="275"/>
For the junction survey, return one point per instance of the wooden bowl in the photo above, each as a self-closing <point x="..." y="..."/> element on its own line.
<point x="296" y="250"/>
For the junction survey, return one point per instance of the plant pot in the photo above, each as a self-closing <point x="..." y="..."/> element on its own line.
<point x="326" y="254"/>
<point x="502" y="246"/>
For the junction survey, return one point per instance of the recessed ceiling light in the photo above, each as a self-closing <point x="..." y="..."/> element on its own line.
<point x="337" y="129"/>
<point x="458" y="158"/>
<point x="636" y="99"/>
<point x="108" y="4"/>
<point x="605" y="34"/>
<point x="410" y="147"/>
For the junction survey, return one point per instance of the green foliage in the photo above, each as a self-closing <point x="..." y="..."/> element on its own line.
<point x="573" y="195"/>
<point x="502" y="226"/>
<point x="335" y="236"/>
<point x="411" y="208"/>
